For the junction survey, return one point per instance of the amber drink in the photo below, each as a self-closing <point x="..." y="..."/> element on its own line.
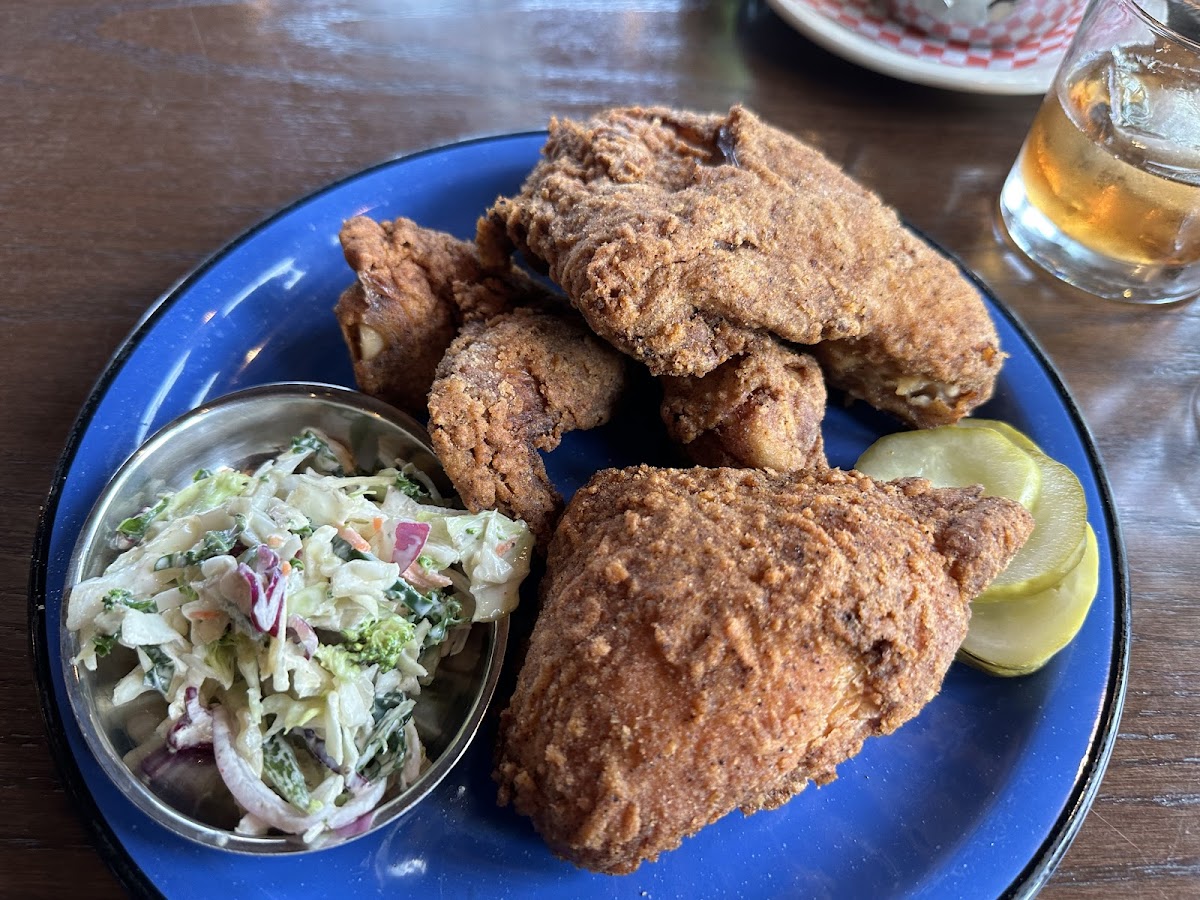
<point x="1106" y="190"/>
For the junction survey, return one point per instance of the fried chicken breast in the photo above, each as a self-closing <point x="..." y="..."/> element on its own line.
<point x="714" y="639"/>
<point x="508" y="387"/>
<point x="681" y="237"/>
<point x="760" y="410"/>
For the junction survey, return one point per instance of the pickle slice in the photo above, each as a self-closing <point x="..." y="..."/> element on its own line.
<point x="1059" y="535"/>
<point x="1021" y="635"/>
<point x="952" y="456"/>
<point x="1018" y="437"/>
<point x="1069" y="509"/>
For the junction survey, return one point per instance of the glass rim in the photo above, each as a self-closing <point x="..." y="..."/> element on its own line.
<point x="1162" y="28"/>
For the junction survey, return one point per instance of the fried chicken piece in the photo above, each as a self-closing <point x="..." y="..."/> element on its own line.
<point x="414" y="288"/>
<point x="714" y="639"/>
<point x="680" y="237"/>
<point x="509" y="387"/>
<point x="760" y="410"/>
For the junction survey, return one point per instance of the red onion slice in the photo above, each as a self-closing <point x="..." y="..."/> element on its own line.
<point x="170" y="763"/>
<point x="304" y="635"/>
<point x="263" y="804"/>
<point x="248" y="789"/>
<point x="194" y="728"/>
<point x="410" y="540"/>
<point x="361" y="825"/>
<point x="266" y="596"/>
<point x="360" y="805"/>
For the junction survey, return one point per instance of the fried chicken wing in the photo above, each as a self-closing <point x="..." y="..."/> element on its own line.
<point x="682" y="237"/>
<point x="508" y="387"/>
<point x="414" y="288"/>
<point x="714" y="639"/>
<point x="759" y="410"/>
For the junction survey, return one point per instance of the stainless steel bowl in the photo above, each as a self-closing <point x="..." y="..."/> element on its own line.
<point x="235" y="430"/>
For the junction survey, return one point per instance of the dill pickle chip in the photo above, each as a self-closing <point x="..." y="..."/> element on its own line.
<point x="1018" y="437"/>
<point x="1023" y="634"/>
<point x="1060" y="516"/>
<point x="1037" y="605"/>
<point x="953" y="456"/>
<point x="1059" y="535"/>
<point x="1007" y="464"/>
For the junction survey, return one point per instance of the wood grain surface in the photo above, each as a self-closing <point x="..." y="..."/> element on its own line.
<point x="137" y="137"/>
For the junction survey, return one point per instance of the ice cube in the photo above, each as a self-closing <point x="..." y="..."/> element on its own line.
<point x="1156" y="108"/>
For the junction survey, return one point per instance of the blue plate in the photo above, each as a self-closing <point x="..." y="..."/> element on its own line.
<point x="979" y="796"/>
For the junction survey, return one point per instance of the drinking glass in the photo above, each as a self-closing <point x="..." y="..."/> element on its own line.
<point x="1105" y="192"/>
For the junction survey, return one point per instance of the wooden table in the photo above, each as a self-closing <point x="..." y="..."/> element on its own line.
<point x="138" y="137"/>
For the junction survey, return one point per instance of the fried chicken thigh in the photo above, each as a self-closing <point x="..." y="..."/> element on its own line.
<point x="714" y="639"/>
<point x="682" y="237"/>
<point x="508" y="387"/>
<point x="760" y="410"/>
<point x="414" y="288"/>
<point x="501" y="364"/>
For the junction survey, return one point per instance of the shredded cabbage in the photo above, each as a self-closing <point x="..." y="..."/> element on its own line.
<point x="288" y="597"/>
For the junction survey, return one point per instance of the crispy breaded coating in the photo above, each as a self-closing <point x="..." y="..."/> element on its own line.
<point x="714" y="639"/>
<point x="680" y="237"/>
<point x="760" y="410"/>
<point x="414" y="288"/>
<point x="509" y="387"/>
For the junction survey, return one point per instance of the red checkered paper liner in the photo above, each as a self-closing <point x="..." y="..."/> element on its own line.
<point x="1002" y="24"/>
<point x="867" y="18"/>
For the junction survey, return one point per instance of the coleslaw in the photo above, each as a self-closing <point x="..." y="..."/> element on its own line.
<point x="287" y="618"/>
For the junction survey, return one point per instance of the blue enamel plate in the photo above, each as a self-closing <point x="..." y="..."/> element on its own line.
<point x="978" y="796"/>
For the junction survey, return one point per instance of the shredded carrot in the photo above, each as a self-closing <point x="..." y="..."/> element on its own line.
<point x="285" y="567"/>
<point x="274" y="542"/>
<point x="377" y="523"/>
<point x="353" y="538"/>
<point x="423" y="580"/>
<point x="203" y="615"/>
